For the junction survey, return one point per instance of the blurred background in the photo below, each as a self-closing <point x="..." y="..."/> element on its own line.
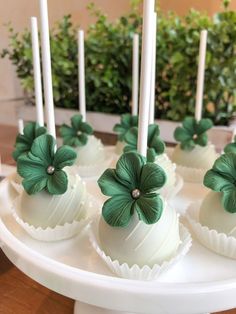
<point x="19" y="12"/>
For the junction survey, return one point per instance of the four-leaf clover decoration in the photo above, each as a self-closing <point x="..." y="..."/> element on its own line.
<point x="222" y="178"/>
<point x="192" y="133"/>
<point x="24" y="141"/>
<point x="41" y="168"/>
<point x="155" y="145"/>
<point x="76" y="134"/>
<point x="133" y="187"/>
<point x="127" y="121"/>
<point x="231" y="147"/>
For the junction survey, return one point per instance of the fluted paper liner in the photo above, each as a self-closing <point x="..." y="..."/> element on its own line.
<point x="220" y="243"/>
<point x="95" y="170"/>
<point x="135" y="272"/>
<point x="60" y="232"/>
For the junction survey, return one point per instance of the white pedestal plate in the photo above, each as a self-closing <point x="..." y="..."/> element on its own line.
<point x="202" y="282"/>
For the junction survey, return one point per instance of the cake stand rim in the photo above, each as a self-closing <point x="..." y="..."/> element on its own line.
<point x="32" y="256"/>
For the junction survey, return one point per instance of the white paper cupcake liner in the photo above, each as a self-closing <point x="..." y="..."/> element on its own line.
<point x="66" y="231"/>
<point x="191" y="175"/>
<point x="95" y="170"/>
<point x="220" y="243"/>
<point x="135" y="272"/>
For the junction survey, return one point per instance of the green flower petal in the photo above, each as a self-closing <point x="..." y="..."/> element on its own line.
<point x="82" y="140"/>
<point x="152" y="178"/>
<point x="118" y="128"/>
<point x="110" y="184"/>
<point x="189" y="124"/>
<point x="203" y="126"/>
<point x="86" y="128"/>
<point x="34" y="183"/>
<point x="129" y="148"/>
<point x="149" y="208"/>
<point x="65" y="156"/>
<point x="153" y="130"/>
<point x="76" y="121"/>
<point x="117" y="211"/>
<point x="229" y="200"/>
<point x="57" y="183"/>
<point x="66" y="131"/>
<point x="226" y="166"/>
<point x="43" y="147"/>
<point x="182" y="135"/>
<point x="158" y="145"/>
<point x="202" y="139"/>
<point x="24" y="142"/>
<point x="70" y="141"/>
<point x="127" y="122"/>
<point x="131" y="137"/>
<point x="187" y="145"/>
<point x="151" y="155"/>
<point x="216" y="181"/>
<point x="230" y="148"/>
<point x="27" y="167"/>
<point x="128" y="169"/>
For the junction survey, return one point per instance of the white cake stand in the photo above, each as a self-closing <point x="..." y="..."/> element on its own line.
<point x="202" y="282"/>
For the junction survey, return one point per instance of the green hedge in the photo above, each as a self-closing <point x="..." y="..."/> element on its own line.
<point x="109" y="59"/>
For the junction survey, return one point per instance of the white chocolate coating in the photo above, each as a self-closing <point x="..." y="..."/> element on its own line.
<point x="119" y="147"/>
<point x="139" y="243"/>
<point x="200" y="157"/>
<point x="45" y="210"/>
<point x="169" y="167"/>
<point x="91" y="153"/>
<point x="214" y="216"/>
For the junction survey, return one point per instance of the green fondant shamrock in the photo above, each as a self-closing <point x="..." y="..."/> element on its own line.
<point x="132" y="187"/>
<point x="127" y="121"/>
<point x="41" y="168"/>
<point x="192" y="133"/>
<point x="222" y="178"/>
<point x="76" y="134"/>
<point x="24" y="141"/>
<point x="231" y="148"/>
<point x="155" y="145"/>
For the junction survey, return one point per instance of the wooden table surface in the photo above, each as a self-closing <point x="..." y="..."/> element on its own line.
<point x="18" y="293"/>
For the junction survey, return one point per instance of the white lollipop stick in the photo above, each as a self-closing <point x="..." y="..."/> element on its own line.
<point x="200" y="77"/>
<point x="37" y="72"/>
<point x="47" y="71"/>
<point x="146" y="73"/>
<point x="135" y="80"/>
<point x="153" y="81"/>
<point x="82" y="99"/>
<point x="21" y="126"/>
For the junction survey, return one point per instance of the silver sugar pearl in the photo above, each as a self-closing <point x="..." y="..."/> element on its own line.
<point x="50" y="170"/>
<point x="194" y="136"/>
<point x="135" y="193"/>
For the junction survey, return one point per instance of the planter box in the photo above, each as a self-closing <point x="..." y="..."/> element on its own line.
<point x="103" y="122"/>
